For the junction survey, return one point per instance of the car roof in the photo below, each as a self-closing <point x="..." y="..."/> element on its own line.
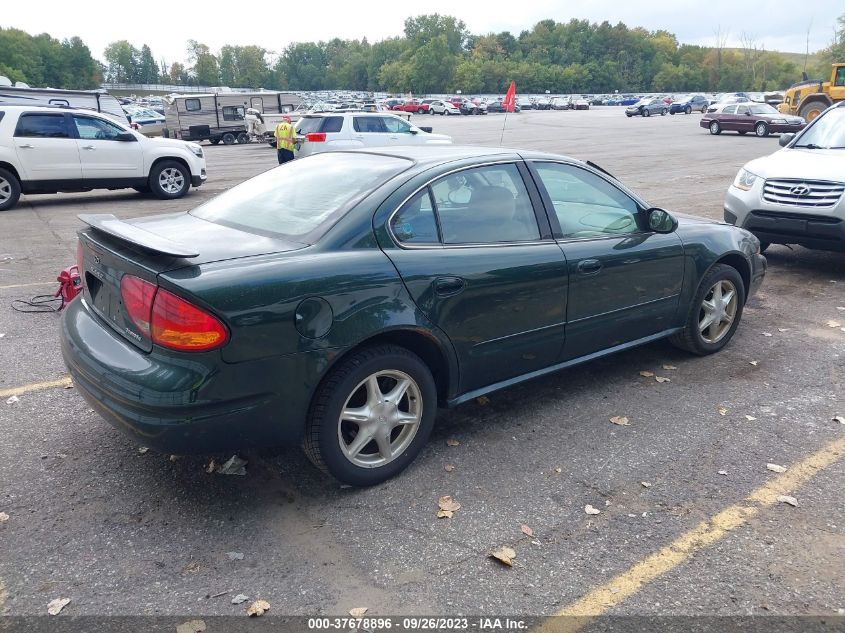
<point x="426" y="155"/>
<point x="46" y="108"/>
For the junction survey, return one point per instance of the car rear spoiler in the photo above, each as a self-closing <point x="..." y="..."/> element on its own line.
<point x="109" y="224"/>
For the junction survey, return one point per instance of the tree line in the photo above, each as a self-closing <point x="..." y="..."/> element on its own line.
<point x="435" y="54"/>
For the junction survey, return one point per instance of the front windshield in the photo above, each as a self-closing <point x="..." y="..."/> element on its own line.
<point x="827" y="132"/>
<point x="762" y="108"/>
<point x="302" y="199"/>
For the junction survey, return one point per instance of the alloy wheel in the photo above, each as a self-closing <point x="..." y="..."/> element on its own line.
<point x="171" y="180"/>
<point x="718" y="311"/>
<point x="380" y="419"/>
<point x="5" y="190"/>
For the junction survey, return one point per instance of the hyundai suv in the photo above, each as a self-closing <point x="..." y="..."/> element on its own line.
<point x="49" y="149"/>
<point x="795" y="196"/>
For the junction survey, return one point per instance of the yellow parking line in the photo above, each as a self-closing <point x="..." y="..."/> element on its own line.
<point x="37" y="283"/>
<point x="625" y="585"/>
<point x="36" y="386"/>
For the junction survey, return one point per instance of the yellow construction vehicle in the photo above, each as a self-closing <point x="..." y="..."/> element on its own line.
<point x="809" y="98"/>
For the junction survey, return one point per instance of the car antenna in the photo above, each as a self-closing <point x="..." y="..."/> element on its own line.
<point x="601" y="169"/>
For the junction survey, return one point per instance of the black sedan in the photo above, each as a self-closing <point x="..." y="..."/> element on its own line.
<point x="647" y="107"/>
<point x="338" y="300"/>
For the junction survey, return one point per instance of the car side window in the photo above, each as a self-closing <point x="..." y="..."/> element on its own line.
<point x="42" y="126"/>
<point x="331" y="124"/>
<point x="365" y="124"/>
<point x="485" y="205"/>
<point x="840" y="76"/>
<point x="585" y="204"/>
<point x="742" y="109"/>
<point x="396" y="125"/>
<point x="91" y="128"/>
<point x="415" y="222"/>
<point x="729" y="109"/>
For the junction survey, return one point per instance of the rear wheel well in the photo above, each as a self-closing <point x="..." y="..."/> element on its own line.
<point x="423" y="346"/>
<point x="10" y="168"/>
<point x="734" y="260"/>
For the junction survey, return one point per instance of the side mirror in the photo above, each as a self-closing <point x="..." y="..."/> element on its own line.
<point x="414" y="130"/>
<point x="786" y="139"/>
<point x="747" y="114"/>
<point x="127" y="137"/>
<point x="660" y="220"/>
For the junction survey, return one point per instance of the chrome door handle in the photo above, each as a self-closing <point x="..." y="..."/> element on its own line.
<point x="448" y="286"/>
<point x="27" y="146"/>
<point x="589" y="266"/>
<point x="90" y="147"/>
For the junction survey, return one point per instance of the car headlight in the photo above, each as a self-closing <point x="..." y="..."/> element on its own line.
<point x="778" y="120"/>
<point x="196" y="149"/>
<point x="744" y="180"/>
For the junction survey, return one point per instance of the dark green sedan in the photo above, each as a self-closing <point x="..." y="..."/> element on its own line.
<point x="340" y="299"/>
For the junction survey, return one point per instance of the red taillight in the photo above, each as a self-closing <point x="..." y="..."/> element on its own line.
<point x="182" y="326"/>
<point x="316" y="137"/>
<point x="168" y="320"/>
<point x="138" y="301"/>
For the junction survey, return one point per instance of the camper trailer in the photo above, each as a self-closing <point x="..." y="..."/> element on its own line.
<point x="87" y="99"/>
<point x="221" y="116"/>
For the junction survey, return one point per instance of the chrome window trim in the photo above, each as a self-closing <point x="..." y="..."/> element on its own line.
<point x="441" y="245"/>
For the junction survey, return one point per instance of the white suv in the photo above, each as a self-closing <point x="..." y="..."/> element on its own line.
<point x="797" y="194"/>
<point x="331" y="131"/>
<point x="49" y="149"/>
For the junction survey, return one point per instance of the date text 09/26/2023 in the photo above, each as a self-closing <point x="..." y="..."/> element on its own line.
<point x="425" y="623"/>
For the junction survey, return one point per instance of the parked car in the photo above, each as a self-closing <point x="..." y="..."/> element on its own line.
<point x="473" y="107"/>
<point x="342" y="316"/>
<point x="688" y="103"/>
<point x="328" y="132"/>
<point x="148" y="122"/>
<point x="497" y="106"/>
<point x="412" y="105"/>
<point x="581" y="104"/>
<point x="719" y="105"/>
<point x="760" y="118"/>
<point x="443" y="107"/>
<point x="48" y="149"/>
<point x="560" y="103"/>
<point x="628" y="100"/>
<point x="795" y="196"/>
<point x="524" y="103"/>
<point x="647" y="107"/>
<point x="543" y="103"/>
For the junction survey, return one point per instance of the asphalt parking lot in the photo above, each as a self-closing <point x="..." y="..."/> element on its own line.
<point x="689" y="523"/>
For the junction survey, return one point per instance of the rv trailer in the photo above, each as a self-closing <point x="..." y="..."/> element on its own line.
<point x="221" y="116"/>
<point x="86" y="99"/>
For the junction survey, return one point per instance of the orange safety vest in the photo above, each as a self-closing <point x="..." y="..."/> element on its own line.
<point x="284" y="136"/>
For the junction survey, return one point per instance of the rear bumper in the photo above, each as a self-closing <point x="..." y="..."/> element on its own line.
<point x="187" y="403"/>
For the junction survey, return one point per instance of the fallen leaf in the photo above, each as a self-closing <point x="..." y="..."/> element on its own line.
<point x="239" y="599"/>
<point x="750" y="418"/>
<point x="257" y="608"/>
<point x="452" y="442"/>
<point x="723" y="411"/>
<point x="212" y="465"/>
<point x="143" y="450"/>
<point x="723" y="472"/>
<point x="358" y="612"/>
<point x="191" y="568"/>
<point x="445" y="514"/>
<point x="591" y="510"/>
<point x="620" y="420"/>
<point x="558" y="470"/>
<point x="661" y="379"/>
<point x="55" y="607"/>
<point x="192" y="626"/>
<point x="775" y="468"/>
<point x="233" y="466"/>
<point x="3" y="517"/>
<point x="235" y="555"/>
<point x="68" y="386"/>
<point x="527" y="530"/>
<point x="839" y="418"/>
<point x="13" y="400"/>
<point x="646" y="374"/>
<point x="447" y="504"/>
<point x="783" y="329"/>
<point x="787" y="499"/>
<point x="504" y="555"/>
<point x="754" y="362"/>
<point x="767" y="333"/>
<point x="483" y="400"/>
<point x="448" y="468"/>
<point x="645" y="484"/>
<point x="833" y="324"/>
<point x="614" y="590"/>
<point x="669" y="367"/>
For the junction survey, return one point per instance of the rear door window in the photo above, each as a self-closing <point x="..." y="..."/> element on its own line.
<point x="369" y="124"/>
<point x="415" y="222"/>
<point x="42" y="126"/>
<point x="332" y="124"/>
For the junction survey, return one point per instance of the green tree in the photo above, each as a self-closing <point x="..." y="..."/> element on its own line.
<point x="432" y="66"/>
<point x="420" y="30"/>
<point x="205" y="68"/>
<point x="147" y="67"/>
<point x="122" y="62"/>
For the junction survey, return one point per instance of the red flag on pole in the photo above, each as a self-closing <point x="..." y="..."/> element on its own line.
<point x="509" y="102"/>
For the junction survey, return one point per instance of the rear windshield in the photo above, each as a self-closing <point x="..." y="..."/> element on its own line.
<point x="309" y="124"/>
<point x="303" y="198"/>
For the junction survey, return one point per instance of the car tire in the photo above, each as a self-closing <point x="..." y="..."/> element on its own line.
<point x="646" y="112"/>
<point x="764" y="246"/>
<point x="761" y="129"/>
<point x="663" y="112"/>
<point x="10" y="190"/>
<point x="329" y="438"/>
<point x="229" y="138"/>
<point x="243" y="138"/>
<point x="704" y="110"/>
<point x="169" y="179"/>
<point x="715" y="128"/>
<point x="707" y="299"/>
<point x="628" y="115"/>
<point x="688" y="110"/>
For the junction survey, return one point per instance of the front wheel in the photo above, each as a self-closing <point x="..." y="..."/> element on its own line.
<point x="688" y="110"/>
<point x="371" y="416"/>
<point x="761" y="129"/>
<point x="663" y="112"/>
<point x="715" y="128"/>
<point x="169" y="179"/>
<point x="714" y="313"/>
<point x="646" y="112"/>
<point x="10" y="190"/>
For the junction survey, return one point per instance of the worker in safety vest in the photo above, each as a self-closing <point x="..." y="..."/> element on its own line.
<point x="285" y="135"/>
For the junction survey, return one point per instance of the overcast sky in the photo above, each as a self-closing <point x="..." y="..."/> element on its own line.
<point x="165" y="27"/>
